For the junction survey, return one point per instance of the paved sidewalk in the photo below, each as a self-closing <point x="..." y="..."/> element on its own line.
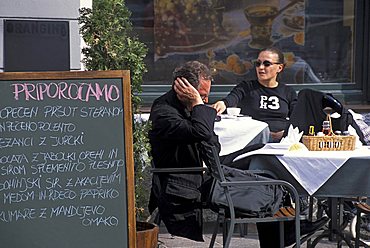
<point x="249" y="241"/>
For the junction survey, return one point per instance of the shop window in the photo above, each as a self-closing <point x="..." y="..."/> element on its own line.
<point x="316" y="36"/>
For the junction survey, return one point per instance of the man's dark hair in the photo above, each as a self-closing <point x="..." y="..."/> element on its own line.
<point x="192" y="71"/>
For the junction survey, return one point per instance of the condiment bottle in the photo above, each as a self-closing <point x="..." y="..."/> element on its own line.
<point x="326" y="128"/>
<point x="346" y="133"/>
<point x="311" y="131"/>
<point x="338" y="132"/>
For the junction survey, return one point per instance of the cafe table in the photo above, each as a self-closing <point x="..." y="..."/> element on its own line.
<point x="335" y="175"/>
<point x="235" y="132"/>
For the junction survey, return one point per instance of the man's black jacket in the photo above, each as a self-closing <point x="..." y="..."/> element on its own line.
<point x="173" y="138"/>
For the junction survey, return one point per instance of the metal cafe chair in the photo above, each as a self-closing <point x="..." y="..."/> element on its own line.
<point x="227" y="216"/>
<point x="155" y="217"/>
<point x="155" y="171"/>
<point x="362" y="215"/>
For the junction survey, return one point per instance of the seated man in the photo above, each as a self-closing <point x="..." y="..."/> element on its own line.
<point x="180" y="120"/>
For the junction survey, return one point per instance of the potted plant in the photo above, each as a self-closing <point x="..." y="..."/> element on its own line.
<point x="111" y="45"/>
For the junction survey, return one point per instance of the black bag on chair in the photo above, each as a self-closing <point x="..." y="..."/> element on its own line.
<point x="253" y="201"/>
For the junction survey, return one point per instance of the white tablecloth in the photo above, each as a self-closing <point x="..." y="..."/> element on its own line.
<point x="310" y="168"/>
<point x="234" y="134"/>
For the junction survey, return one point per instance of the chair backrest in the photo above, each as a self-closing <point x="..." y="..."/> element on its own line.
<point x="309" y="111"/>
<point x="238" y="190"/>
<point x="211" y="159"/>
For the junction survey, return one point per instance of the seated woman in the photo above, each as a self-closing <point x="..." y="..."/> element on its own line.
<point x="264" y="99"/>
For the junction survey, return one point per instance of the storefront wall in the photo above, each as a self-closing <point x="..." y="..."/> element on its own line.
<point x="325" y="42"/>
<point x="35" y="25"/>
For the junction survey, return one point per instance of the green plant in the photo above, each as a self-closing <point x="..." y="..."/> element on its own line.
<point x="112" y="45"/>
<point x="142" y="173"/>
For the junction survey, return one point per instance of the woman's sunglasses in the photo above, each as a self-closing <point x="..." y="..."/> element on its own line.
<point x="265" y="63"/>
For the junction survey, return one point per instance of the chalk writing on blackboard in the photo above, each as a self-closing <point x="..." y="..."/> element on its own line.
<point x="35" y="176"/>
<point x="62" y="90"/>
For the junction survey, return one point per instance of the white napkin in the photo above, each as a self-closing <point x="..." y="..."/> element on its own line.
<point x="293" y="137"/>
<point x="355" y="115"/>
<point x="352" y="131"/>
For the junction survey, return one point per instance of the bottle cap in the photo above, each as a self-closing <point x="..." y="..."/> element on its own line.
<point x="326" y="123"/>
<point x="346" y="133"/>
<point x="337" y="132"/>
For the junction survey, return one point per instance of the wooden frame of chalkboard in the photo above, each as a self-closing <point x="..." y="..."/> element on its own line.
<point x="66" y="160"/>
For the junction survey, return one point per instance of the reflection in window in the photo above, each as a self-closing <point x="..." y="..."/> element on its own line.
<point x="316" y="37"/>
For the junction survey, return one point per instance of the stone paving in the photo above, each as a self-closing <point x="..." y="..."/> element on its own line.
<point x="250" y="241"/>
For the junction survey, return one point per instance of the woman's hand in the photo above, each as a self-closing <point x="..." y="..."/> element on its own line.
<point x="220" y="107"/>
<point x="186" y="93"/>
<point x="276" y="136"/>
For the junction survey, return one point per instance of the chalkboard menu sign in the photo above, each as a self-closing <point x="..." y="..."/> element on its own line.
<point x="66" y="163"/>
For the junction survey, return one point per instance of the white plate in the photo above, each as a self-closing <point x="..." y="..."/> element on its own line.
<point x="245" y="116"/>
<point x="229" y="116"/>
<point x="235" y="116"/>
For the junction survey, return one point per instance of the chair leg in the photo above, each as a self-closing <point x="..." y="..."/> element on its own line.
<point x="230" y="233"/>
<point x="215" y="230"/>
<point x="243" y="229"/>
<point x="281" y="234"/>
<point x="225" y="231"/>
<point x="358" y="226"/>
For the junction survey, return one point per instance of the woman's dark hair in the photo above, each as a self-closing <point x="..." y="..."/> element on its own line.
<point x="276" y="51"/>
<point x="192" y="71"/>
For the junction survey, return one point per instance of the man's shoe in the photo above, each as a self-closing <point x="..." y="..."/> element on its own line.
<point x="307" y="228"/>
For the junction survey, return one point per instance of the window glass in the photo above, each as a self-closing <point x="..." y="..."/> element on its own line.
<point x="316" y="37"/>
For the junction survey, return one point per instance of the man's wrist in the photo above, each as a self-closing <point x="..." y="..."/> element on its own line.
<point x="196" y="103"/>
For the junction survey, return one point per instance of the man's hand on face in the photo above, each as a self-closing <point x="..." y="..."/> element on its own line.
<point x="186" y="93"/>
